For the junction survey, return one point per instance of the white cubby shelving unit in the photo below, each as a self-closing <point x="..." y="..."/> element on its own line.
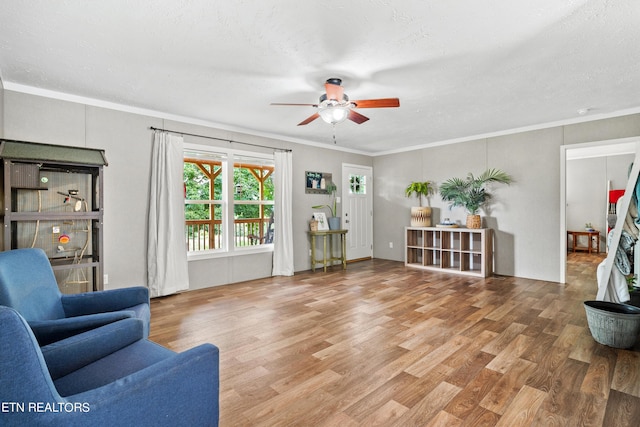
<point x="452" y="250"/>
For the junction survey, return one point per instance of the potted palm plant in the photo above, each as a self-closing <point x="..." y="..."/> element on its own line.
<point x="420" y="215"/>
<point x="471" y="193"/>
<point x="333" y="220"/>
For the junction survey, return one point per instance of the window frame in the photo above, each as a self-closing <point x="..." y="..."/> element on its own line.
<point x="228" y="203"/>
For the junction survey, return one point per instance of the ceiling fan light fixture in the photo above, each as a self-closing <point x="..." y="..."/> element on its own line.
<point x="335" y="107"/>
<point x="334" y="114"/>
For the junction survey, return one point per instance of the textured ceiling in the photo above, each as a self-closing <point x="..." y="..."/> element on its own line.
<point x="461" y="68"/>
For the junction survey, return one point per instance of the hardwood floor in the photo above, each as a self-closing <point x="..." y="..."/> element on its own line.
<point x="381" y="344"/>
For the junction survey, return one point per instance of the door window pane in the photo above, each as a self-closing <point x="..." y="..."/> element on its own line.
<point x="357" y="184"/>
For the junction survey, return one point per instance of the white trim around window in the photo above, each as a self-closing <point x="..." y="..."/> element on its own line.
<point x="229" y="249"/>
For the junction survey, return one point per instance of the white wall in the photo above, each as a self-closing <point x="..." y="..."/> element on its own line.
<point x="126" y="138"/>
<point x="526" y="215"/>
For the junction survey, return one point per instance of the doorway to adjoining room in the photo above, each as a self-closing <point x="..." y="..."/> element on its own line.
<point x="594" y="177"/>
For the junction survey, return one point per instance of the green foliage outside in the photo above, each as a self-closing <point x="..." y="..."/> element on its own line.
<point x="197" y="188"/>
<point x="246" y="187"/>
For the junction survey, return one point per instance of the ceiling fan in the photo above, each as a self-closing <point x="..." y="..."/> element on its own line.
<point x="335" y="107"/>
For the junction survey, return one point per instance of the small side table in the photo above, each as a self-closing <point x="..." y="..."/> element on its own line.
<point x="328" y="260"/>
<point x="575" y="235"/>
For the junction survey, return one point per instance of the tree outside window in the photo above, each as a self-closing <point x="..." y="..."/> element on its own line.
<point x="253" y="200"/>
<point x="251" y="187"/>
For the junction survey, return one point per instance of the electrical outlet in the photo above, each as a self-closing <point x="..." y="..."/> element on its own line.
<point x="309" y="252"/>
<point x="106" y="279"/>
<point x="390" y="245"/>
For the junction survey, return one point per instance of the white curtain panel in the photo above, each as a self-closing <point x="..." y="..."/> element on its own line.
<point x="166" y="252"/>
<point x="283" y="220"/>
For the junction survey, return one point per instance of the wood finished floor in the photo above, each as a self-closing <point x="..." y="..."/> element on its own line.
<point x="382" y="344"/>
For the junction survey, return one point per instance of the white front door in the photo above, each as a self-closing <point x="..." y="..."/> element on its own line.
<point x="357" y="210"/>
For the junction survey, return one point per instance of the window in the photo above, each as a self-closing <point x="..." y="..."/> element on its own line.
<point x="227" y="208"/>
<point x="203" y="206"/>
<point x="357" y="184"/>
<point x="253" y="200"/>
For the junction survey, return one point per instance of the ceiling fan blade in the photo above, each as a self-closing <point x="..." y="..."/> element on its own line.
<point x="357" y="117"/>
<point x="297" y="105"/>
<point x="377" y="103"/>
<point x="309" y="119"/>
<point x="334" y="91"/>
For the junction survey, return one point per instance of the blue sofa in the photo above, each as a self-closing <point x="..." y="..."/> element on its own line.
<point x="27" y="284"/>
<point x="108" y="376"/>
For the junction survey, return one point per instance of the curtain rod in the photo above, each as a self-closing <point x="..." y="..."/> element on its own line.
<point x="220" y="139"/>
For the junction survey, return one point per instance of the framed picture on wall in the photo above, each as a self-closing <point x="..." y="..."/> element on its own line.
<point x="323" y="224"/>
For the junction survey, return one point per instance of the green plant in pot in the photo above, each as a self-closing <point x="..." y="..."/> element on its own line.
<point x="334" y="220"/>
<point x="420" y="215"/>
<point x="471" y="192"/>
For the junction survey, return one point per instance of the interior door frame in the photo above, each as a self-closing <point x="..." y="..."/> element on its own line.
<point x="595" y="146"/>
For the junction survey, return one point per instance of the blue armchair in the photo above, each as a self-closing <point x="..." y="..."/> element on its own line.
<point x="107" y="376"/>
<point x="28" y="285"/>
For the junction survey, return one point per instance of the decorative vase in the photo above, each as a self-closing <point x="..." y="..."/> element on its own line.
<point x="334" y="222"/>
<point x="474" y="221"/>
<point x="420" y="216"/>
